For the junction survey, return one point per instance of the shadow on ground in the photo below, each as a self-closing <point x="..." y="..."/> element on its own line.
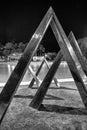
<point x="63" y="109"/>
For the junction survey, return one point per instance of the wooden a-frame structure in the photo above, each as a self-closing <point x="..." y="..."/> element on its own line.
<point x="73" y="58"/>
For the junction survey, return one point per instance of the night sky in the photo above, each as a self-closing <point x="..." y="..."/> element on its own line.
<point x="19" y="20"/>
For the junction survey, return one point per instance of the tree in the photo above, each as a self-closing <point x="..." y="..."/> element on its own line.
<point x="1" y="52"/>
<point x="8" y="48"/>
<point x="21" y="47"/>
<point x="83" y="45"/>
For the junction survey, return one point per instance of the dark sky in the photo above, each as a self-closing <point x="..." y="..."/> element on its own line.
<point x="19" y="20"/>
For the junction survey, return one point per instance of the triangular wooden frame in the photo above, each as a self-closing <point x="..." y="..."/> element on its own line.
<point x="72" y="61"/>
<point x="14" y="80"/>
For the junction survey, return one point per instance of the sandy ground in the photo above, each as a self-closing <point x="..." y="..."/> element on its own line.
<point x="63" y="110"/>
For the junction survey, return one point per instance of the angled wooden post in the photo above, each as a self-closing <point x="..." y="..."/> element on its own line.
<point x="14" y="80"/>
<point x="33" y="80"/>
<point x="54" y="78"/>
<point x="34" y="76"/>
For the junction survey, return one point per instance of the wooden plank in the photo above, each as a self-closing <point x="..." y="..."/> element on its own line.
<point x="14" y="80"/>
<point x="33" y="80"/>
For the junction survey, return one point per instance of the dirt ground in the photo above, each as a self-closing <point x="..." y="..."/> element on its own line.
<point x="62" y="109"/>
